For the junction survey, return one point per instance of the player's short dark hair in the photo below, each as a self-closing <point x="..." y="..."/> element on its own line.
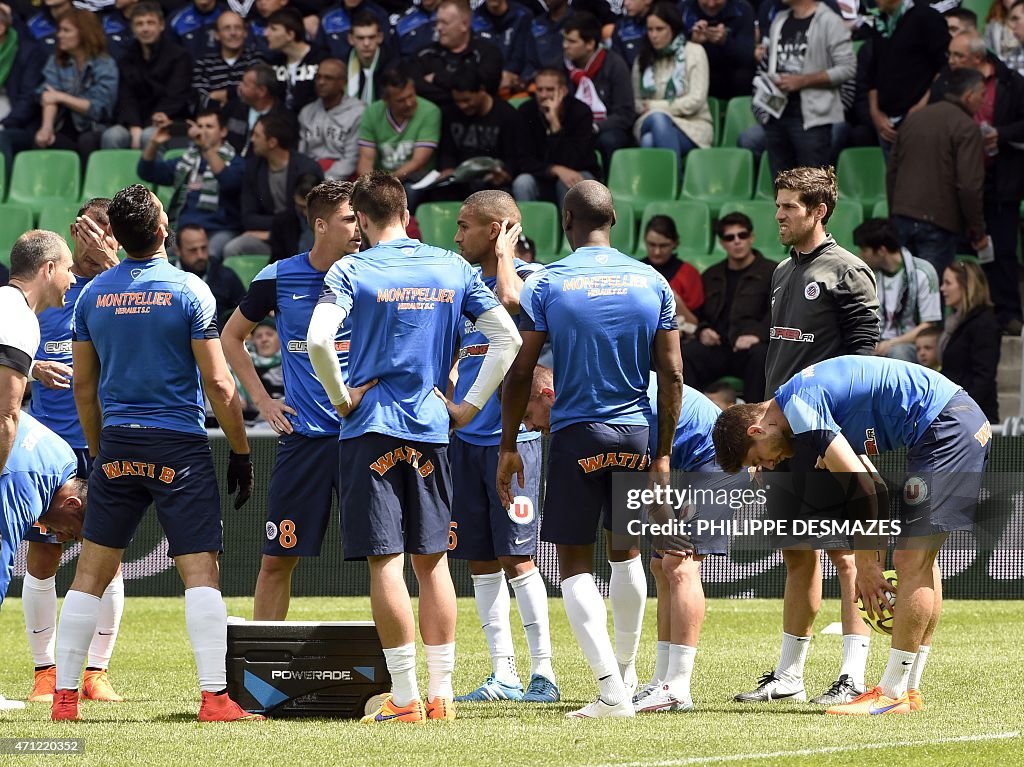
<point x="380" y="197"/>
<point x="493" y="205"/>
<point x="467" y="79"/>
<point x="80" y="485"/>
<point x="586" y="24"/>
<point x="560" y="73"/>
<point x="732" y="443"/>
<point x="147" y="8"/>
<point x="962" y="81"/>
<point x="366" y="18"/>
<point x="291" y="20"/>
<point x="814" y="186"/>
<point x="733" y="219"/>
<point x="877" y="233"/>
<point x="96" y="209"/>
<point x="967" y="16"/>
<point x="281" y="125"/>
<point x="590" y="204"/>
<point x="211" y="110"/>
<point x="135" y="219"/>
<point x="33" y="250"/>
<point x="324" y="198"/>
<point x="663" y="225"/>
<point x="396" y="77"/>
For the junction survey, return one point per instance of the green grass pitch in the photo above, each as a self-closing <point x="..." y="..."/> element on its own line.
<point x="973" y="715"/>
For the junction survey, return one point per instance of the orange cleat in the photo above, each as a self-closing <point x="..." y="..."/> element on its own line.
<point x="220" y="708"/>
<point x="441" y="709"/>
<point x="412" y="713"/>
<point x="45" y="684"/>
<point x="97" y="687"/>
<point x="65" y="706"/>
<point x="916" y="700"/>
<point x="872" y="703"/>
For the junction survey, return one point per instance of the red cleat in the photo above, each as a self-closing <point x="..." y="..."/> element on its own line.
<point x="220" y="708"/>
<point x="65" y="706"/>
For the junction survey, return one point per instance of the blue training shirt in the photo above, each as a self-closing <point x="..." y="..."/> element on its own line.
<point x="876" y="403"/>
<point x="601" y="310"/>
<point x="406" y="301"/>
<point x="692" y="445"/>
<point x="39" y="464"/>
<point x="291" y="289"/>
<point x="485" y="428"/>
<point x="55" y="408"/>
<point x="142" y="316"/>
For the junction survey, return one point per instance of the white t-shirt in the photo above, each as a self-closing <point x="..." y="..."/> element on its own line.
<point x="902" y="309"/>
<point x="19" y="330"/>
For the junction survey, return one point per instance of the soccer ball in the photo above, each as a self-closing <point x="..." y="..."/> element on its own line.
<point x="882" y="625"/>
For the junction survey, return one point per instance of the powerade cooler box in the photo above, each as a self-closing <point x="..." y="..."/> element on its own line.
<point x="284" y="668"/>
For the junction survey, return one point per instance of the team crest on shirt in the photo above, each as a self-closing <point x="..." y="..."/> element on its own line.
<point x="812" y="291"/>
<point x="271" y="531"/>
<point x="915" y="491"/>
<point x="521" y="511"/>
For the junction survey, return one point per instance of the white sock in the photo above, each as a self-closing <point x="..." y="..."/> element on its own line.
<point x="493" y="605"/>
<point x="661" y="663"/>
<point x="401" y="663"/>
<point x="588" y="618"/>
<point x="39" y="603"/>
<point x="206" y="618"/>
<point x="792" y="658"/>
<point x="680" y="669"/>
<point x="111" y="608"/>
<point x="74" y="631"/>
<point x="627" y="591"/>
<point x="440" y="665"/>
<point x="532" y="600"/>
<point x="914" y="683"/>
<point x="855" y="657"/>
<point x="897" y="672"/>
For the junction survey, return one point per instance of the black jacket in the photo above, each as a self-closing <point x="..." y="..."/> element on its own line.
<point x="971" y="358"/>
<point x="443" y="64"/>
<point x="25" y="77"/>
<point x="163" y="83"/>
<point x="573" y="146"/>
<point x="614" y="84"/>
<point x="257" y="203"/>
<point x="904" y="65"/>
<point x="750" y="310"/>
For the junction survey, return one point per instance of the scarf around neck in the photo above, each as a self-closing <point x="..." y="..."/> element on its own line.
<point x="8" y="50"/>
<point x="583" y="79"/>
<point x="355" y="71"/>
<point x="676" y="85"/>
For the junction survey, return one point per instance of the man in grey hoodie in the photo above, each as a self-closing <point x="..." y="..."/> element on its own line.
<point x="330" y="125"/>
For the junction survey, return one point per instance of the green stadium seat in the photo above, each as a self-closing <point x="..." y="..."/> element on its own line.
<point x="881" y="209"/>
<point x="623" y="234"/>
<point x="517" y="101"/>
<point x="640" y="176"/>
<point x="437" y="223"/>
<point x="693" y="222"/>
<point x="861" y="174"/>
<point x="58" y="218"/>
<point x="541" y="224"/>
<point x="718" y="175"/>
<point x="700" y="261"/>
<point x="111" y="170"/>
<point x="844" y="219"/>
<point x="738" y="118"/>
<point x="15" y="220"/>
<point x="981" y="8"/>
<point x="715" y="107"/>
<point x="3" y="177"/>
<point x="765" y="183"/>
<point x="246" y="267"/>
<point x="43" y="176"/>
<point x="766" y="230"/>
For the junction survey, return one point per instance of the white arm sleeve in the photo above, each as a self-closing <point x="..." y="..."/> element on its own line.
<point x="503" y="344"/>
<point x="323" y="327"/>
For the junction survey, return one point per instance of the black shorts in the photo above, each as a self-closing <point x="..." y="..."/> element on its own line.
<point x="303" y="486"/>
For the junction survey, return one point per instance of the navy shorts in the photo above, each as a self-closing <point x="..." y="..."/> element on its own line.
<point x="581" y="461"/>
<point x="35" y="533"/>
<point x="944" y="471"/>
<point x="396" y="496"/>
<point x="482" y="529"/>
<point x="303" y="486"/>
<point x="136" y="467"/>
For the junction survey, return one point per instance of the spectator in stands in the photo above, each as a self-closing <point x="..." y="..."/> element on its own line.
<point x="526" y="249"/>
<point x="272" y="171"/>
<point x="1015" y="21"/>
<point x="722" y="394"/>
<point x="732" y="336"/>
<point x="507" y="25"/>
<point x="416" y="28"/>
<point x="661" y="239"/>
<point x="257" y="96"/>
<point x="156" y="80"/>
<point x="400" y="133"/>
<point x="21" y="74"/>
<point x="631" y="29"/>
<point x="560" y="129"/>
<point x="194" y="256"/>
<point x="456" y="50"/>
<point x="908" y="288"/>
<point x="193" y="27"/>
<point x="117" y="27"/>
<point x="909" y="48"/>
<point x="41" y="27"/>
<point x="998" y="37"/>
<point x="726" y="30"/>
<point x="926" y="346"/>
<point x="329" y="126"/>
<point x="936" y="174"/>
<point x="291" y="234"/>
<point x="970" y="345"/>
<point x="217" y="74"/>
<point x="265" y="350"/>
<point x="337" y="24"/>
<point x="207" y="179"/>
<point x="600" y="80"/>
<point x="808" y="56"/>
<point x="670" y="82"/>
<point x="367" y="58"/>
<point x="961" y="20"/>
<point x="547" y="32"/>
<point x="286" y="36"/>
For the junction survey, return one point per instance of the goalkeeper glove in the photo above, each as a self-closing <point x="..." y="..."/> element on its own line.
<point x="240" y="477"/>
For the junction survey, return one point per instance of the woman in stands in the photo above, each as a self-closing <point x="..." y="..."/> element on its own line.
<point x="661" y="238"/>
<point x="969" y="346"/>
<point x="79" y="89"/>
<point x="998" y="36"/>
<point x="670" y="80"/>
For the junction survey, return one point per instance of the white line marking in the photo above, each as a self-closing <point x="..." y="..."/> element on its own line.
<point x="814" y="751"/>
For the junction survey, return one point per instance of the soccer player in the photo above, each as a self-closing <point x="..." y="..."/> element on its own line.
<point x="854" y="404"/>
<point x="145" y="346"/>
<point x="95" y="251"/>
<point x="406" y="301"/>
<point x="305" y="476"/>
<point x="498" y="541"/>
<point x="611" y="320"/>
<point x="40" y="278"/>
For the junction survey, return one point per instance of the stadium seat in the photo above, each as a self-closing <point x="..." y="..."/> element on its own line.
<point x="111" y="170"/>
<point x="881" y="209"/>
<point x="518" y="101"/>
<point x="541" y="224"/>
<point x="765" y="182"/>
<point x="693" y="222"/>
<point x="15" y="220"/>
<point x="700" y="261"/>
<point x="44" y="176"/>
<point x="861" y="174"/>
<point x="640" y="176"/>
<point x="246" y="267"/>
<point x="738" y="118"/>
<point x="437" y="223"/>
<point x="58" y="218"/>
<point x="3" y="177"/>
<point x="981" y="8"/>
<point x="718" y="175"/>
<point x="766" y="230"/>
<point x="844" y="219"/>
<point x="624" y="231"/>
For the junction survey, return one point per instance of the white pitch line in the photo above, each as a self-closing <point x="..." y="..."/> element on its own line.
<point x="814" y="751"/>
